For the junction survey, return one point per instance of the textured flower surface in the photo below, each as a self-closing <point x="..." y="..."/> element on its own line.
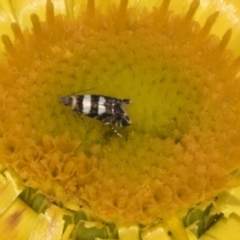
<point x="184" y="85"/>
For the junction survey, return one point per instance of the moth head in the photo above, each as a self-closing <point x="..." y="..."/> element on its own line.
<point x="66" y="100"/>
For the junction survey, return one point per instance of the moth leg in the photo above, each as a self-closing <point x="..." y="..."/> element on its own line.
<point x="77" y="113"/>
<point x="115" y="130"/>
<point x="108" y="121"/>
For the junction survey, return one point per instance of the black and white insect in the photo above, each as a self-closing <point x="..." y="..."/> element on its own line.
<point x="103" y="108"/>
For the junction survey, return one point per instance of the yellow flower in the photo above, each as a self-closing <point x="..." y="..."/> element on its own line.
<point x="181" y="75"/>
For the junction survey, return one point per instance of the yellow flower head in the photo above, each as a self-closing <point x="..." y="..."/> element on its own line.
<point x="184" y="86"/>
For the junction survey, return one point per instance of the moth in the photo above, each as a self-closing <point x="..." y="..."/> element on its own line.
<point x="108" y="110"/>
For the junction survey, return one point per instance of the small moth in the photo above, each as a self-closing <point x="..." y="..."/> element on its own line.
<point x="106" y="109"/>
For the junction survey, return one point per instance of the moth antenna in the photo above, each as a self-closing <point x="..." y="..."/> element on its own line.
<point x="75" y="93"/>
<point x="85" y="90"/>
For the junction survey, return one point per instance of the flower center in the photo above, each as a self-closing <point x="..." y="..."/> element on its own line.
<point x="184" y="104"/>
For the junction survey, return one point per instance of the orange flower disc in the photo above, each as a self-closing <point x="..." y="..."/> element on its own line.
<point x="183" y="83"/>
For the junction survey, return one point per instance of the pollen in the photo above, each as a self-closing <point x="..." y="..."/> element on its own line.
<point x="183" y="143"/>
